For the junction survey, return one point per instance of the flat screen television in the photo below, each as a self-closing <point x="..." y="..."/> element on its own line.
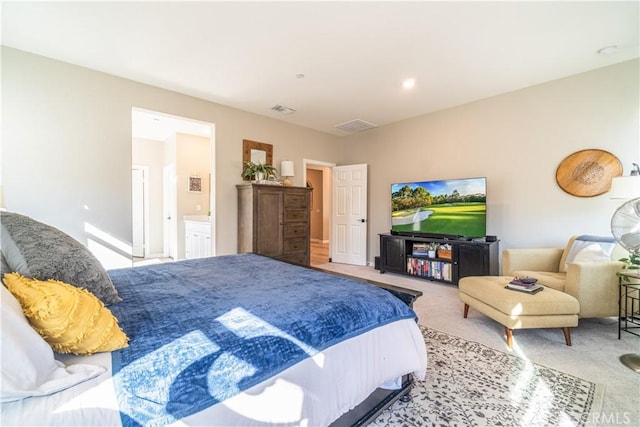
<point x="451" y="208"/>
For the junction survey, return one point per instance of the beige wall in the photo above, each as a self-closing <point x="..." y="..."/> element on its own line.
<point x="517" y="141"/>
<point x="66" y="149"/>
<point x="66" y="146"/>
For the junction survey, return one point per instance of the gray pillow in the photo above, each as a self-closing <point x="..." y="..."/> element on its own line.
<point x="41" y="251"/>
<point x="4" y="267"/>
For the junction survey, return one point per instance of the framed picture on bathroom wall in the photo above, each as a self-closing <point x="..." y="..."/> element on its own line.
<point x="195" y="184"/>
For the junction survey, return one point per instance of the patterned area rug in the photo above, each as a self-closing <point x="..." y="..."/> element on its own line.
<point x="470" y="384"/>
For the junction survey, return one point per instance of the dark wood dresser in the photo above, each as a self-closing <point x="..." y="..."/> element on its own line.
<point x="273" y="220"/>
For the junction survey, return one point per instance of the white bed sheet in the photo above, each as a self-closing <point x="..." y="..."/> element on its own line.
<point x="304" y="394"/>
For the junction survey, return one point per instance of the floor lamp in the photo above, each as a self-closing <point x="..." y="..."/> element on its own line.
<point x="628" y="187"/>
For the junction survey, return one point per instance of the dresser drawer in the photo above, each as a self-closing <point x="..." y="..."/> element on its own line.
<point x="297" y="258"/>
<point x="295" y="245"/>
<point x="294" y="230"/>
<point x="296" y="215"/>
<point x="295" y="199"/>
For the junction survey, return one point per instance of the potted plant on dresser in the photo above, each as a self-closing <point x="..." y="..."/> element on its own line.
<point x="258" y="171"/>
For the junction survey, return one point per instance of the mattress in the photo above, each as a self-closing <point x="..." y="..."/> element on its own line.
<point x="304" y="394"/>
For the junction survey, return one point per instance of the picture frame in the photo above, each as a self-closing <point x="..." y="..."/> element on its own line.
<point x="195" y="184"/>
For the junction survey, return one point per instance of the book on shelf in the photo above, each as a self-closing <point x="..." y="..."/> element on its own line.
<point x="420" y="249"/>
<point x="417" y="267"/>
<point x="533" y="289"/>
<point x="440" y="270"/>
<point x="428" y="268"/>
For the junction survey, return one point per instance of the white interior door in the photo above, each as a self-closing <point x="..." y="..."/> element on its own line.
<point x="349" y="224"/>
<point x="170" y="225"/>
<point x="137" y="221"/>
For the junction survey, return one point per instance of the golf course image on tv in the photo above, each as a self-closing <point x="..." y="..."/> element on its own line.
<point x="452" y="207"/>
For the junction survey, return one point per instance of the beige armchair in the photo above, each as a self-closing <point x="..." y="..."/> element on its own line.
<point x="593" y="284"/>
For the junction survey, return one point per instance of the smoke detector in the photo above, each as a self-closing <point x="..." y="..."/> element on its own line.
<point x="356" y="125"/>
<point x="282" y="109"/>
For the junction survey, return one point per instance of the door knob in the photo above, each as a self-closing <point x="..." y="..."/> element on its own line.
<point x="363" y="220"/>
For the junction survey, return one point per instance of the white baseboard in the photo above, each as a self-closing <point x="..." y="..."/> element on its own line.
<point x="158" y="255"/>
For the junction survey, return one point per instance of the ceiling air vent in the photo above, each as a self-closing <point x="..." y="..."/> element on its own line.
<point x="282" y="109"/>
<point x="356" y="125"/>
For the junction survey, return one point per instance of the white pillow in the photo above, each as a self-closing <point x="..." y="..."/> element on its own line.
<point x="594" y="250"/>
<point x="27" y="364"/>
<point x="592" y="253"/>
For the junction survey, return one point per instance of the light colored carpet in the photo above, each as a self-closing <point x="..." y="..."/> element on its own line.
<point x="592" y="357"/>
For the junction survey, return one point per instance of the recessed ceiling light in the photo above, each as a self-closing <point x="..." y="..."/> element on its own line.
<point x="300" y="76"/>
<point x="408" y="83"/>
<point x="608" y="50"/>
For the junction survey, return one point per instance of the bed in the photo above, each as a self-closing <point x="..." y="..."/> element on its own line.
<point x="240" y="340"/>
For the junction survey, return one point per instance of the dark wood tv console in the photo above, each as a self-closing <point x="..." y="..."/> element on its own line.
<point x="476" y="257"/>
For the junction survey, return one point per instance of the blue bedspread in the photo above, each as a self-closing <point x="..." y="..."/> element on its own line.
<point x="204" y="330"/>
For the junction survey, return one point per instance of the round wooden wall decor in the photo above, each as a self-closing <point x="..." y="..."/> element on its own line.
<point x="588" y="173"/>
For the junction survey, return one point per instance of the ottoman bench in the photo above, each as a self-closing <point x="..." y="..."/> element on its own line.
<point x="518" y="310"/>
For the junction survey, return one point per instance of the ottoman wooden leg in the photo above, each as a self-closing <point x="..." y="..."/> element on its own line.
<point x="567" y="335"/>
<point x="466" y="310"/>
<point x="509" y="333"/>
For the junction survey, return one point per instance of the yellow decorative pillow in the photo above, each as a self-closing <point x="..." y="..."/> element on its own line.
<point x="70" y="319"/>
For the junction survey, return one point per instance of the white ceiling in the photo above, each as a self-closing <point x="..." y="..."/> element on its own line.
<point x="354" y="55"/>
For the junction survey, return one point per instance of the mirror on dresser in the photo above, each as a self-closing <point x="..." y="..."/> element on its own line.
<point x="256" y="152"/>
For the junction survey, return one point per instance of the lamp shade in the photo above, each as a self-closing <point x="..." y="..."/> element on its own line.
<point x="625" y="187"/>
<point x="286" y="168"/>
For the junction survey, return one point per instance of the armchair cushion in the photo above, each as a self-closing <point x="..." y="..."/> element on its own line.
<point x="544" y="259"/>
<point x="593" y="283"/>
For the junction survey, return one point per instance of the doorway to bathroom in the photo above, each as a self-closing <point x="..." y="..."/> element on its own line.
<point x="172" y="181"/>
